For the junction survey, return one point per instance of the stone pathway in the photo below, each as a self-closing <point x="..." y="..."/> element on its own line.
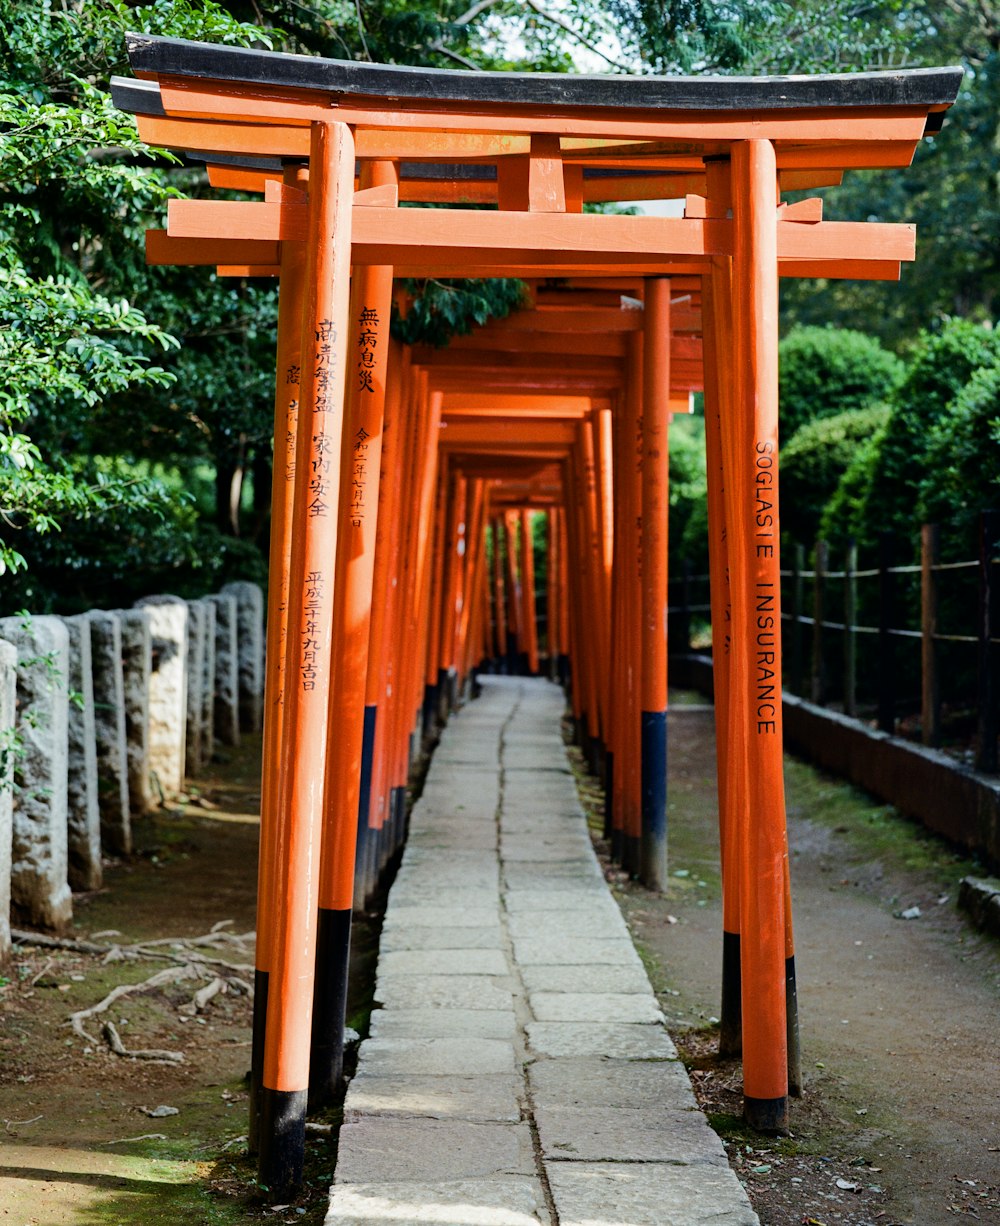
<point x="518" y="1071"/>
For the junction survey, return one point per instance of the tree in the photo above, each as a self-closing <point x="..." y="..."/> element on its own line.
<point x="76" y="188"/>
<point x="814" y="462"/>
<point x="950" y="192"/>
<point x="829" y="371"/>
<point x="116" y="419"/>
<point x="962" y="472"/>
<point x="880" y="490"/>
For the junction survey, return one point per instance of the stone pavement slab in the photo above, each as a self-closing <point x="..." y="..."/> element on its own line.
<point x="442" y="1023"/>
<point x="595" y="1082"/>
<point x="584" y="978"/>
<point x="396" y="1056"/>
<point x="517" y="1071"/>
<point x="480" y="1096"/>
<point x="626" y="1134"/>
<point x="621" y="1040"/>
<point x="397" y="1150"/>
<point x="595" y="1007"/>
<point x="450" y="991"/>
<point x="429" y="916"/>
<point x="561" y="949"/>
<point x="593" y="921"/>
<point x="470" y="1202"/>
<point x="647" y="1194"/>
<point x="432" y="938"/>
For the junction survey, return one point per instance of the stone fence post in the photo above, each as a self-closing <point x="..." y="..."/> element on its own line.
<point x="250" y="648"/>
<point x="137" y="664"/>
<point x="195" y="756"/>
<point x="8" y="708"/>
<point x="227" y="681"/>
<point x="109" y="725"/>
<point x="168" y="623"/>
<point x="39" y="885"/>
<point x="84" y="815"/>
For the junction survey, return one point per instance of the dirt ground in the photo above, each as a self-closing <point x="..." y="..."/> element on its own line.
<point x="899" y="1021"/>
<point x="78" y="1144"/>
<point x="899" y="1018"/>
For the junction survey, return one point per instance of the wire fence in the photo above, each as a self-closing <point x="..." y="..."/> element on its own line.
<point x="912" y="648"/>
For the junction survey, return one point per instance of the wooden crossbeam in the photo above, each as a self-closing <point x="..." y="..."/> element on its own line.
<point x="420" y="236"/>
<point x="243" y="102"/>
<point x="520" y="432"/>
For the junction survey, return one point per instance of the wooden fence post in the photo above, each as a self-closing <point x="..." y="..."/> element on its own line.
<point x="930" y="690"/>
<point x="886" y="643"/>
<point x="818" y="677"/>
<point x="850" y="621"/>
<point x="989" y="593"/>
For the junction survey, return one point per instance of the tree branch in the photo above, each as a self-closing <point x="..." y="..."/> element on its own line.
<point x="361" y="30"/>
<point x="473" y="13"/>
<point x="575" y="34"/>
<point x="454" y="55"/>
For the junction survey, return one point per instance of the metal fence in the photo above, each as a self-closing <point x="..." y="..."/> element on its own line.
<point x="912" y="648"/>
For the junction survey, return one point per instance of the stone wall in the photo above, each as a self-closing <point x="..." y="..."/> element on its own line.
<point x="102" y="717"/>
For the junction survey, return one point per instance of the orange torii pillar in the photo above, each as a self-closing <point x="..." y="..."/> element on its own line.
<point x="499" y="606"/>
<point x="295" y="880"/>
<point x="624" y="786"/>
<point x="402" y="732"/>
<point x="601" y="434"/>
<point x="655" y="509"/>
<point x="632" y="730"/>
<point x="455" y="557"/>
<point x="553" y="562"/>
<point x="515" y="608"/>
<point x="718" y="405"/>
<point x="421" y="562"/>
<point x="384" y="650"/>
<point x="614" y="759"/>
<point x="469" y="636"/>
<point x="754" y="760"/>
<point x="565" y="642"/>
<point x="529" y="618"/>
<point x="286" y="405"/>
<point x="430" y="610"/>
<point x="360" y="461"/>
<point x="593" y="661"/>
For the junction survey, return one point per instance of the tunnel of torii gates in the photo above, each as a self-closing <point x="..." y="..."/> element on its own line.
<point x="406" y="478"/>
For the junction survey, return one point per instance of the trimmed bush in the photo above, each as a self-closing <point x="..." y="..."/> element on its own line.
<point x="829" y="371"/>
<point x="815" y="460"/>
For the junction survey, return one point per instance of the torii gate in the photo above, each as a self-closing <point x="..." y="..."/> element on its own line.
<point x="538" y="145"/>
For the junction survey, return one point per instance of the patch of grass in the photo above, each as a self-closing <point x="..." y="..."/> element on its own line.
<point x="732" y="1127"/>
<point x="874" y="831"/>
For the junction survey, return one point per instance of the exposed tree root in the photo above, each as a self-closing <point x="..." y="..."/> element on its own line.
<point x="188" y="962"/>
<point x="156" y="1054"/>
